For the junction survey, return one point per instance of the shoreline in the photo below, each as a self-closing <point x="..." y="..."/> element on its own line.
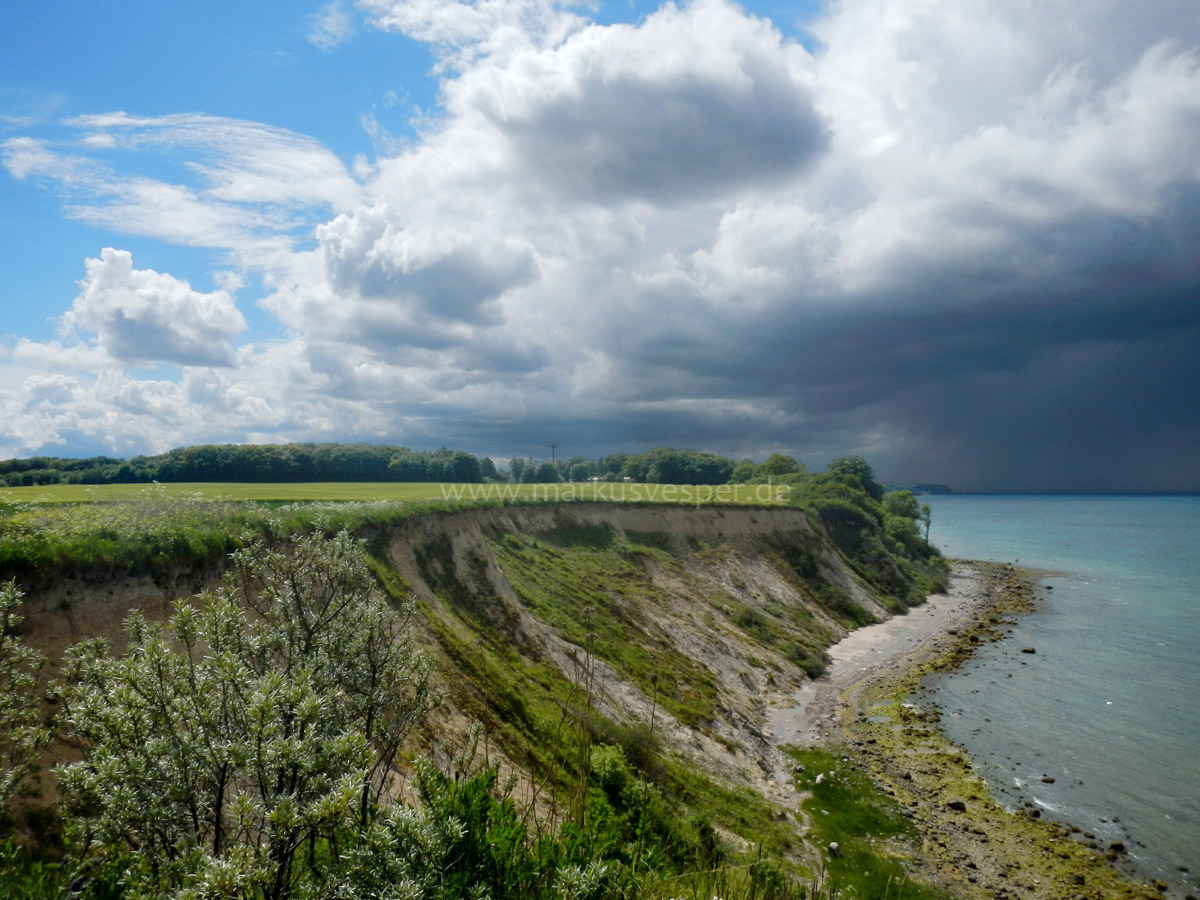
<point x="970" y="843"/>
<point x="865" y="651"/>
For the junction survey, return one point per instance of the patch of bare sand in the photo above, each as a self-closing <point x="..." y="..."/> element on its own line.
<point x="810" y="715"/>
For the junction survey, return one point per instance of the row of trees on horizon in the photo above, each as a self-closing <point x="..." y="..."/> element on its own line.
<point x="380" y="462"/>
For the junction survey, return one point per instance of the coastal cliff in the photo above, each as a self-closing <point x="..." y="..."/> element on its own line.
<point x="674" y="635"/>
<point x="700" y="617"/>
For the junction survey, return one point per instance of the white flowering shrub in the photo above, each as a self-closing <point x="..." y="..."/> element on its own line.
<point x="235" y="751"/>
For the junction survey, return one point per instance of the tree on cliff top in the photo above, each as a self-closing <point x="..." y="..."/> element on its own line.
<point x="855" y="467"/>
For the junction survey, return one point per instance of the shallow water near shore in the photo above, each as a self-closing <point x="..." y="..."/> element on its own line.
<point x="1100" y="727"/>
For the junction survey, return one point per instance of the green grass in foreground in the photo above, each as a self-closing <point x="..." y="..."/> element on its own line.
<point x="875" y="841"/>
<point x="392" y="490"/>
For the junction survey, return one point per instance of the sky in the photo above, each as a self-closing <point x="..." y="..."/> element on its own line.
<point x="958" y="238"/>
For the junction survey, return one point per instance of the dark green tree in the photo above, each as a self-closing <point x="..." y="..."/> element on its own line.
<point x="856" y="467"/>
<point x="548" y="473"/>
<point x="516" y="468"/>
<point x="487" y="468"/>
<point x="901" y="512"/>
<point x="464" y="468"/>
<point x="582" y="471"/>
<point x="610" y="467"/>
<point x="777" y="464"/>
<point x="744" y="472"/>
<point x="408" y="466"/>
<point x="902" y="504"/>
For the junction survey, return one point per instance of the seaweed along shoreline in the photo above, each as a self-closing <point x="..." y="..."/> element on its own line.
<point x="971" y="844"/>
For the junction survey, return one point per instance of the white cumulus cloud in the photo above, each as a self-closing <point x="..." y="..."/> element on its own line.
<point x="141" y="316"/>
<point x="687" y="104"/>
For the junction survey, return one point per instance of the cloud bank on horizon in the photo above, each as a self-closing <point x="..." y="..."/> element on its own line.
<point x="958" y="238"/>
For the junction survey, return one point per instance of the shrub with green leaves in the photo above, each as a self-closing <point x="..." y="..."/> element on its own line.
<point x="235" y="750"/>
<point x="21" y="731"/>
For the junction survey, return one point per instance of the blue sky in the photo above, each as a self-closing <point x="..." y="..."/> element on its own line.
<point x="954" y="238"/>
<point x="254" y="62"/>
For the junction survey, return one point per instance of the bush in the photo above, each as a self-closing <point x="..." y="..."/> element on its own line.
<point x="22" y="734"/>
<point x="814" y="663"/>
<point x="610" y="769"/>
<point x="253" y="733"/>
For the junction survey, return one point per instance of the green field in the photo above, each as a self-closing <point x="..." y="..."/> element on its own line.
<point x="360" y="491"/>
<point x="144" y="525"/>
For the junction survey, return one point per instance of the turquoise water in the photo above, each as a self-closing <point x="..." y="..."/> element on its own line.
<point x="1109" y="705"/>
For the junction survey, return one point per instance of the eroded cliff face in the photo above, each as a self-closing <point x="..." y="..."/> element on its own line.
<point x="692" y="621"/>
<point x="705" y="615"/>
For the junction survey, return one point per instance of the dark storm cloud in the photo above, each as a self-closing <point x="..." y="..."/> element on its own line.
<point x="1023" y="396"/>
<point x="1109" y="415"/>
<point x="499" y="359"/>
<point x="632" y="140"/>
<point x="1069" y="341"/>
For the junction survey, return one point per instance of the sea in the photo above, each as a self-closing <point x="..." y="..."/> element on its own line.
<point x="1100" y="726"/>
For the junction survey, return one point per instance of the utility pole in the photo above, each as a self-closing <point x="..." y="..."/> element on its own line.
<point x="553" y="446"/>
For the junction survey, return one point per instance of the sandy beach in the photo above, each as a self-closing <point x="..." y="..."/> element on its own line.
<point x="812" y="714"/>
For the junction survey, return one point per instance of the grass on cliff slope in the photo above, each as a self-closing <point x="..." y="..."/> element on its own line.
<point x="607" y="788"/>
<point x="593" y="588"/>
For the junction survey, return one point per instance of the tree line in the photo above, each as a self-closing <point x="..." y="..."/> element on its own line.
<point x="309" y="462"/>
<point x="325" y="462"/>
<point x="256" y="463"/>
